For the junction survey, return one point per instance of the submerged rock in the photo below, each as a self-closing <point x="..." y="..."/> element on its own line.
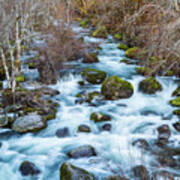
<point x="114" y="88"/>
<point x="106" y="127"/>
<point x="63" y="132"/>
<point x="28" y="168"/>
<point x="82" y="151"/>
<point x="93" y="76"/>
<point x="71" y="172"/>
<point x="141" y="172"/>
<point x="99" y="117"/>
<point x="29" y="123"/>
<point x="84" y="128"/>
<point x="150" y="86"/>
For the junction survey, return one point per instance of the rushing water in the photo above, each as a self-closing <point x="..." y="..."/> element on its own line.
<point x="130" y="121"/>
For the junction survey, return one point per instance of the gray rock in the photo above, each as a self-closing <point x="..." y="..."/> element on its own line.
<point x="29" y="123"/>
<point x="63" y="132"/>
<point x="82" y="151"/>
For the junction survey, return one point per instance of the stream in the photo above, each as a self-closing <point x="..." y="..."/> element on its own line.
<point x="135" y="118"/>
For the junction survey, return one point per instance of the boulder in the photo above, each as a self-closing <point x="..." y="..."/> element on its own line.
<point x="175" y="102"/>
<point x="29" y="123"/>
<point x="63" y="132"/>
<point x="84" y="128"/>
<point x="164" y="134"/>
<point x="114" y="88"/>
<point x="82" y="151"/>
<point x="28" y="168"/>
<point x="93" y="76"/>
<point x="71" y="172"/>
<point x="176" y="92"/>
<point x="141" y="172"/>
<point x="99" y="117"/>
<point x="132" y="52"/>
<point x="150" y="86"/>
<point x="91" y="58"/>
<point x="106" y="127"/>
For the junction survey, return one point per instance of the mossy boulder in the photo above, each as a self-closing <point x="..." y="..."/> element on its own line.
<point x="114" y="88"/>
<point x="123" y="47"/>
<point x="99" y="117"/>
<point x="1" y="85"/>
<point x="132" y="52"/>
<point x="70" y="172"/>
<point x="175" y="102"/>
<point x="100" y="31"/>
<point x="84" y="23"/>
<point x="118" y="36"/>
<point x="91" y="58"/>
<point x="32" y="65"/>
<point x="176" y="112"/>
<point x="143" y="70"/>
<point x="84" y="128"/>
<point x="93" y="76"/>
<point x="150" y="85"/>
<point x="20" y="78"/>
<point x="176" y="92"/>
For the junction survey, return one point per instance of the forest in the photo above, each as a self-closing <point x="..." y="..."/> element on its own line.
<point x="90" y="89"/>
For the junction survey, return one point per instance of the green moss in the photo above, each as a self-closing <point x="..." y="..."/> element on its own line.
<point x="116" y="88"/>
<point x="94" y="56"/>
<point x="143" y="70"/>
<point x="100" y="32"/>
<point x="177" y="112"/>
<point x="169" y="73"/>
<point x="20" y="78"/>
<point x="153" y="59"/>
<point x="150" y="85"/>
<point x="93" y="76"/>
<point x="31" y="65"/>
<point x="176" y="92"/>
<point x="30" y="110"/>
<point x="49" y="116"/>
<point x="118" y="36"/>
<point x="99" y="117"/>
<point x="1" y="85"/>
<point x="132" y="52"/>
<point x="175" y="102"/>
<point x="84" y="23"/>
<point x="123" y="47"/>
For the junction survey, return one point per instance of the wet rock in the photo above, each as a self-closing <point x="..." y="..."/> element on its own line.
<point x="63" y="132"/>
<point x="177" y="126"/>
<point x="47" y="91"/>
<point x="1" y="85"/>
<point x="99" y="117"/>
<point x="91" y="58"/>
<point x="132" y="52"/>
<point x="82" y="151"/>
<point x="116" y="177"/>
<point x="0" y="144"/>
<point x="164" y="134"/>
<point x="175" y="102"/>
<point x="126" y="61"/>
<point x="122" y="46"/>
<point x="93" y="76"/>
<point x="87" y="97"/>
<point x="114" y="88"/>
<point x="28" y="168"/>
<point x="5" y="121"/>
<point x="141" y="172"/>
<point x="164" y="175"/>
<point x="143" y="70"/>
<point x="71" y="172"/>
<point x="29" y="123"/>
<point x="176" y="112"/>
<point x="84" y="128"/>
<point x="100" y="32"/>
<point x="150" y="86"/>
<point x="167" y="161"/>
<point x="141" y="143"/>
<point x="176" y="92"/>
<point x="106" y="127"/>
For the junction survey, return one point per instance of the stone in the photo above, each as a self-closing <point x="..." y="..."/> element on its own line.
<point x="82" y="151"/>
<point x="84" y="128"/>
<point x="63" y="132"/>
<point x="28" y="168"/>
<point x="99" y="117"/>
<point x="70" y="172"/>
<point x="114" y="88"/>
